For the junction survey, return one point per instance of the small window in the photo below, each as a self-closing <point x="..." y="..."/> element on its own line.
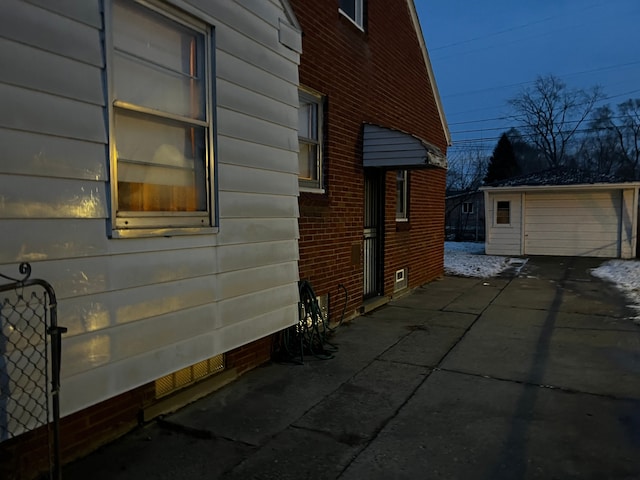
<point x="467" y="207"/>
<point x="161" y="118"/>
<point x="354" y="10"/>
<point x="310" y="140"/>
<point x="503" y="213"/>
<point x="402" y="196"/>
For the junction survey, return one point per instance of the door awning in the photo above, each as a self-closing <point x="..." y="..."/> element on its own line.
<point x="392" y="149"/>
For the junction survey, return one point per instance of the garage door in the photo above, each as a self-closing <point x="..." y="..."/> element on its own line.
<point x="573" y="223"/>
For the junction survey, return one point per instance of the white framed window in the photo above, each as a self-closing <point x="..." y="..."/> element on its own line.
<point x="503" y="212"/>
<point x="310" y="140"/>
<point x="402" y="196"/>
<point x="354" y="11"/>
<point x="467" y="207"/>
<point x="160" y="66"/>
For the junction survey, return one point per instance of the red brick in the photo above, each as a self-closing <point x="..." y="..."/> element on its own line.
<point x="377" y="77"/>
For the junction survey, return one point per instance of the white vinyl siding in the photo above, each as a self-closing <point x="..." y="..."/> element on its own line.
<point x="573" y="224"/>
<point x="140" y="308"/>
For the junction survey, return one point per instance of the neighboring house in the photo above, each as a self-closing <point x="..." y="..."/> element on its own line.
<point x="464" y="218"/>
<point x="373" y="138"/>
<point x="562" y="212"/>
<point x="149" y="172"/>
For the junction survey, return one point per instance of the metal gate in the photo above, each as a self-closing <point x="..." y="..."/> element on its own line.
<point x="372" y="235"/>
<point x="30" y="354"/>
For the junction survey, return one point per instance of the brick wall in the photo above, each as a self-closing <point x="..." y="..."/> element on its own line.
<point x="377" y="76"/>
<point x="25" y="457"/>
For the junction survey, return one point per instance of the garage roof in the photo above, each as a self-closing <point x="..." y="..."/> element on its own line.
<point x="563" y="178"/>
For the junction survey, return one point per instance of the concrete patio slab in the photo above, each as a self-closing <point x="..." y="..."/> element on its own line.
<point x="461" y="426"/>
<point x="535" y="376"/>
<point x="539" y="349"/>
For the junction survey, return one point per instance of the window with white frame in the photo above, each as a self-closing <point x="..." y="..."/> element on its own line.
<point x="310" y="140"/>
<point x="467" y="207"/>
<point x="162" y="139"/>
<point x="503" y="213"/>
<point x="402" y="195"/>
<point x="354" y="10"/>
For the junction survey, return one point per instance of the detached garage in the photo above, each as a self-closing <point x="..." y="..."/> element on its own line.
<point x="566" y="213"/>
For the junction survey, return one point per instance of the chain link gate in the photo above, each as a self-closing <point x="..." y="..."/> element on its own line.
<point x="30" y="354"/>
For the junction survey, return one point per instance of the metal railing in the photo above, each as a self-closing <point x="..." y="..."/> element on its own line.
<point x="30" y="355"/>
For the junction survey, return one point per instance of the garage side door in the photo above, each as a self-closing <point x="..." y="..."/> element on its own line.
<point x="573" y="223"/>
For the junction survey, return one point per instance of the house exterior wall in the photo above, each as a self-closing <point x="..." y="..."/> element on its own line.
<point x="461" y="225"/>
<point x="503" y="239"/>
<point x="139" y="308"/>
<point x="377" y="76"/>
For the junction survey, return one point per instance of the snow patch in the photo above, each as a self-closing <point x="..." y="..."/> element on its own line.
<point x="467" y="259"/>
<point x="626" y="275"/>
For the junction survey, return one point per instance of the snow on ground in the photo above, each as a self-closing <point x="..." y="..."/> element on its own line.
<point x="626" y="275"/>
<point x="467" y="259"/>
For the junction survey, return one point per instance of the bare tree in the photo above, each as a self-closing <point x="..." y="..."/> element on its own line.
<point x="464" y="177"/>
<point x="551" y="113"/>
<point x="628" y="134"/>
<point x="600" y="150"/>
<point x="466" y="170"/>
<point x="613" y="141"/>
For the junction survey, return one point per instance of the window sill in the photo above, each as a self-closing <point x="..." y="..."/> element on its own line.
<point x="320" y="191"/>
<point x="162" y="232"/>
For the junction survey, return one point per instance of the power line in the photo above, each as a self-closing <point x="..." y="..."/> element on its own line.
<point x="466" y="144"/>
<point x="520" y="84"/>
<point x="508" y="117"/>
<point x="511" y="29"/>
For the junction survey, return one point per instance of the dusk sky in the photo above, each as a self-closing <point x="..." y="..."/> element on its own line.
<point x="485" y="52"/>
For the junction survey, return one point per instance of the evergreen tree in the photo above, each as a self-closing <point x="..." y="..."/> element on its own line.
<point x="502" y="164"/>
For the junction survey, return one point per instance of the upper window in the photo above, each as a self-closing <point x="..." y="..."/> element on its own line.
<point x="353" y="9"/>
<point x="402" y="195"/>
<point x="162" y="127"/>
<point x="467" y="207"/>
<point x="310" y="140"/>
<point x="503" y="213"/>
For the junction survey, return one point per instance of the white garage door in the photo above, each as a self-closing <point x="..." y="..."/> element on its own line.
<point x="573" y="223"/>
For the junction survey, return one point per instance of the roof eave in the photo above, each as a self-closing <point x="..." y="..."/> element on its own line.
<point x="431" y="75"/>
<point x="579" y="186"/>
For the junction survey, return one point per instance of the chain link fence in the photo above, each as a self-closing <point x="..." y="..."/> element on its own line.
<point x="30" y="342"/>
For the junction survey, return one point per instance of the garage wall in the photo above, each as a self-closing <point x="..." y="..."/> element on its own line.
<point x="629" y="223"/>
<point x="503" y="239"/>
<point x="599" y="221"/>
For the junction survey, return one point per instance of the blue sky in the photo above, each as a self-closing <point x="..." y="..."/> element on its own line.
<point x="485" y="52"/>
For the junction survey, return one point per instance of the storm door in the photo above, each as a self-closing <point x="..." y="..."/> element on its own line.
<point x="373" y="234"/>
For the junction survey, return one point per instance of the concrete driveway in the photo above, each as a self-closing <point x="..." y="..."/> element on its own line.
<point x="528" y="377"/>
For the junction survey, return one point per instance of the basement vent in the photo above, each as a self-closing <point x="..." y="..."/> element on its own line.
<point x="189" y="375"/>
<point x="401" y="280"/>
